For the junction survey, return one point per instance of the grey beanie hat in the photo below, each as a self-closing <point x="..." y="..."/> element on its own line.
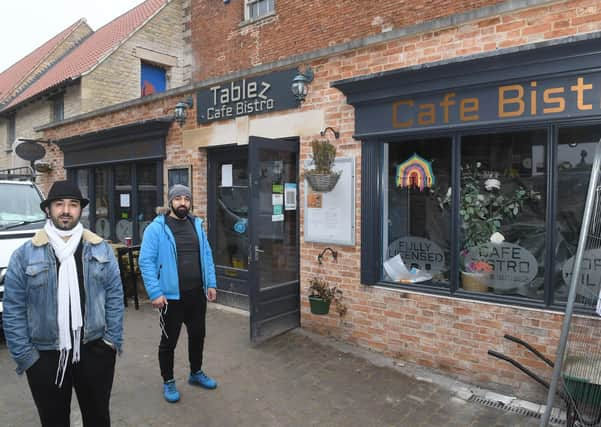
<point x="179" y="190"/>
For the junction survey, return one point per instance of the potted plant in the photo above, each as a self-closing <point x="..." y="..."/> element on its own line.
<point x="483" y="209"/>
<point x="321" y="296"/>
<point x="321" y="177"/>
<point x="476" y="276"/>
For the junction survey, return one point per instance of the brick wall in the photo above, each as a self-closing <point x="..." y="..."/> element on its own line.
<point x="447" y="334"/>
<point x="299" y="27"/>
<point x="117" y="79"/>
<point x="450" y="335"/>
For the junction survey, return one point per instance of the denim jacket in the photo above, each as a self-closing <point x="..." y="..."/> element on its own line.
<point x="158" y="259"/>
<point x="31" y="302"/>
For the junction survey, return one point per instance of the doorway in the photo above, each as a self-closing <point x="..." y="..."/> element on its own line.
<point x="254" y="231"/>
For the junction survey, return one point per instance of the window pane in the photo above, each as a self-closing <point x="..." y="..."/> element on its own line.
<point x="123" y="207"/>
<point x="503" y="182"/>
<point x="101" y="191"/>
<point x="417" y="228"/>
<point x="231" y="248"/>
<point x="575" y="154"/>
<point x="147" y="194"/>
<point x="82" y="182"/>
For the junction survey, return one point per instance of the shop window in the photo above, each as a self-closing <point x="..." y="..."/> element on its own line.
<point x="82" y="179"/>
<point x="502" y="213"/>
<point x="123" y="198"/>
<point x="575" y="153"/>
<point x="148" y="194"/>
<point x="123" y="218"/>
<point x="102" y="226"/>
<point x="256" y="9"/>
<point x="467" y="214"/>
<point x="153" y="79"/>
<point x="417" y="231"/>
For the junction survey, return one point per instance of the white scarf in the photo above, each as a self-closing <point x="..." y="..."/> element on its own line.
<point x="68" y="293"/>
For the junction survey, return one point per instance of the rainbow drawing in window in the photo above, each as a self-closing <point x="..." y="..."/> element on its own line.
<point x="415" y="172"/>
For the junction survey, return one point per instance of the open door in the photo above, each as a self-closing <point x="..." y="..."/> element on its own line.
<point x="273" y="254"/>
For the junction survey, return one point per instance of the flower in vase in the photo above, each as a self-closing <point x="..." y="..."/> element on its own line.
<point x="492" y="184"/>
<point x="497" y="237"/>
<point x="479" y="267"/>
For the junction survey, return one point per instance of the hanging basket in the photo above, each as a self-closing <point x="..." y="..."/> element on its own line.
<point x="322" y="183"/>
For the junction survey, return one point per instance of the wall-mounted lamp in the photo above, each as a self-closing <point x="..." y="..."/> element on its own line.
<point x="335" y="132"/>
<point x="181" y="110"/>
<point x="300" y="84"/>
<point x="333" y="252"/>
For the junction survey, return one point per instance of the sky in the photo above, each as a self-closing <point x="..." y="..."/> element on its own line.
<point x="27" y="24"/>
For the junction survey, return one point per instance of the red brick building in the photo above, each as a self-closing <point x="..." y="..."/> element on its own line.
<point x="507" y="90"/>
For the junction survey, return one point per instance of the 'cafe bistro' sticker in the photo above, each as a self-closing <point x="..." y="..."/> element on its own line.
<point x="512" y="265"/>
<point x="590" y="273"/>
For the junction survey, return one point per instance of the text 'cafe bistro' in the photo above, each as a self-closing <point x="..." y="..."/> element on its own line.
<point x="517" y="136"/>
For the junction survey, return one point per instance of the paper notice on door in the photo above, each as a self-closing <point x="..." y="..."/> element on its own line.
<point x="226" y="176"/>
<point x="277" y="199"/>
<point x="290" y="194"/>
<point x="124" y="200"/>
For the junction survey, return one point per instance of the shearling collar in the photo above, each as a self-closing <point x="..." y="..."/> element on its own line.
<point x="41" y="238"/>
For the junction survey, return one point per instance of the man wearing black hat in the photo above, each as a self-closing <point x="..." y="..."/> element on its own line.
<point x="179" y="275"/>
<point x="63" y="313"/>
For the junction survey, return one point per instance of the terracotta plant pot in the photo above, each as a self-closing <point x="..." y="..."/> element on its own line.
<point x="475" y="282"/>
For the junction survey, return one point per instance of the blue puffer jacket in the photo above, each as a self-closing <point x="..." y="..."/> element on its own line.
<point x="158" y="259"/>
<point x="31" y="301"/>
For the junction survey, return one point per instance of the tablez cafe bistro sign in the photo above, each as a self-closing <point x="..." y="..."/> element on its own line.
<point x="248" y="96"/>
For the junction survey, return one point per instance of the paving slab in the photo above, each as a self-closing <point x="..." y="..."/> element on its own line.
<point x="295" y="379"/>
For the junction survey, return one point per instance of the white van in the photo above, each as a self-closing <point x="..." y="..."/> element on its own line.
<point x="20" y="215"/>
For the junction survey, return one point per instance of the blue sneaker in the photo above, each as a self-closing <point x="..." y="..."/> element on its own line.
<point x="203" y="380"/>
<point x="170" y="391"/>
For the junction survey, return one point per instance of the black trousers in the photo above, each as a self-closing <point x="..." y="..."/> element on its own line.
<point x="91" y="377"/>
<point x="191" y="310"/>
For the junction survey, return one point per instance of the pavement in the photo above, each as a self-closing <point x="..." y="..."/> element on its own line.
<point x="296" y="379"/>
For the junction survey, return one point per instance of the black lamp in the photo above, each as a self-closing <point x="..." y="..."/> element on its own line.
<point x="300" y="84"/>
<point x="181" y="110"/>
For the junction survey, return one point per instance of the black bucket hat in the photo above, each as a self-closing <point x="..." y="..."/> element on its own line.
<point x="64" y="190"/>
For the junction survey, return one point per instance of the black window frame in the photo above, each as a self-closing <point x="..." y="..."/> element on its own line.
<point x="372" y="211"/>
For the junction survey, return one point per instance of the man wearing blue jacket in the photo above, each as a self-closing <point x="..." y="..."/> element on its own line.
<point x="179" y="275"/>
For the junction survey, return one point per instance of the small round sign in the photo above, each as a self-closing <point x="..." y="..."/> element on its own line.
<point x="29" y="150"/>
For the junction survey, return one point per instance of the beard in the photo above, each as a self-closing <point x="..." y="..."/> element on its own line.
<point x="181" y="211"/>
<point x="65" y="222"/>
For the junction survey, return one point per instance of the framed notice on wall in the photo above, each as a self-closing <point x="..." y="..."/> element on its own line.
<point x="330" y="217"/>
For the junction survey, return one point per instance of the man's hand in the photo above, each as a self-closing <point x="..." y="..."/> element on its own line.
<point x="211" y="294"/>
<point x="160" y="302"/>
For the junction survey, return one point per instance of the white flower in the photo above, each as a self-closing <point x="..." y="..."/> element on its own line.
<point x="497" y="237"/>
<point x="449" y="192"/>
<point x="478" y="164"/>
<point x="491" y="184"/>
